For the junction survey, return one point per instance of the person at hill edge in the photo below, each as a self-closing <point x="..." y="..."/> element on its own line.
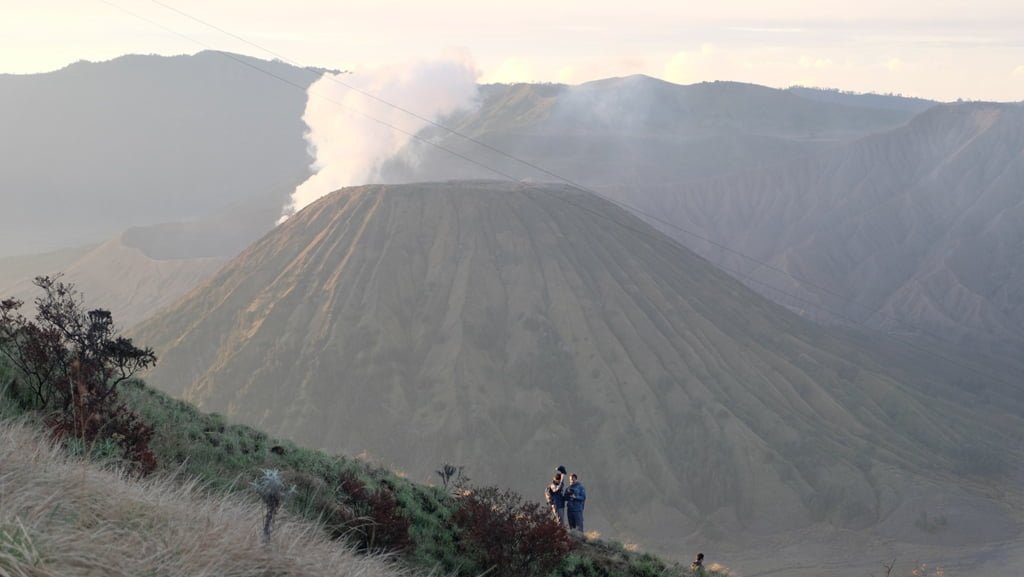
<point x="554" y="495"/>
<point x="697" y="567"/>
<point x="575" y="499"/>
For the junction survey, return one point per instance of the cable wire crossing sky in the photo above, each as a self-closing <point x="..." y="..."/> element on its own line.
<point x="933" y="49"/>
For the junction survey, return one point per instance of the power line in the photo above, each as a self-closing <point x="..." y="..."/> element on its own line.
<point x="629" y="208"/>
<point x="358" y="90"/>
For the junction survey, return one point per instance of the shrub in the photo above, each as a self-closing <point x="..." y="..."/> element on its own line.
<point x="71" y="363"/>
<point x="369" y="518"/>
<point x="507" y="536"/>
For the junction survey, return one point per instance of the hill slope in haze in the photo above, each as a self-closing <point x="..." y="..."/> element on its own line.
<point x="513" y="327"/>
<point x="145" y="267"/>
<point x="142" y="140"/>
<point x="911" y="227"/>
<point x="636" y="130"/>
<point x="919" y="230"/>
<point x="123" y="279"/>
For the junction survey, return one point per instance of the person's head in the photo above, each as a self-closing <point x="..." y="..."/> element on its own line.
<point x="558" y="478"/>
<point x="700" y="556"/>
<point x="572" y="478"/>
<point x="560" y="469"/>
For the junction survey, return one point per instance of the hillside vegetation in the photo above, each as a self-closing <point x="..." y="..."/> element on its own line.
<point x="197" y="514"/>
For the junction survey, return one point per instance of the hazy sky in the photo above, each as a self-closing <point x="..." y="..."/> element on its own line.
<point x="938" y="49"/>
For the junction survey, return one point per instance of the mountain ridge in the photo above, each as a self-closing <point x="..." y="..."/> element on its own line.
<point x="877" y="225"/>
<point x="142" y="140"/>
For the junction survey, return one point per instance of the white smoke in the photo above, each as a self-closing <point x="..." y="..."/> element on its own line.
<point x="347" y="134"/>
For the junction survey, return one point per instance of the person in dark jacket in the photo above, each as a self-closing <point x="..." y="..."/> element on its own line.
<point x="554" y="495"/>
<point x="575" y="500"/>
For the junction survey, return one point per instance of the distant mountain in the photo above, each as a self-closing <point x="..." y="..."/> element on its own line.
<point x="919" y="230"/>
<point x="146" y="267"/>
<point x="513" y="327"/>
<point x="94" y="148"/>
<point x="122" y="279"/>
<point x="636" y="130"/>
<point x="15" y="269"/>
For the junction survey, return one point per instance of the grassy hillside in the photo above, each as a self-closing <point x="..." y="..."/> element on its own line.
<point x="225" y="456"/>
<point x="343" y="511"/>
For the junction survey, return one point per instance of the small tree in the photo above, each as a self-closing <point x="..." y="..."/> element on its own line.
<point x="72" y="362"/>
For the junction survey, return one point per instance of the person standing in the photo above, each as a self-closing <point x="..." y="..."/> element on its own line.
<point x="697" y="567"/>
<point x="575" y="500"/>
<point x="554" y="495"/>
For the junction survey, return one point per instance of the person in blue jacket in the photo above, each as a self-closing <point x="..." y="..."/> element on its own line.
<point x="575" y="499"/>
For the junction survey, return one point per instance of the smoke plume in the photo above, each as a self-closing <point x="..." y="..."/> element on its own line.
<point x="347" y="132"/>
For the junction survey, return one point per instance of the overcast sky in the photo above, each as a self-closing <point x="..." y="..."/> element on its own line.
<point x="938" y="49"/>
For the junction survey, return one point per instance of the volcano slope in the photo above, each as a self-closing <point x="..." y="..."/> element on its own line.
<point x="512" y="327"/>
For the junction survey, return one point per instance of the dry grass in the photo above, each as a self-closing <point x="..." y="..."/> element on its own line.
<point x="61" y="516"/>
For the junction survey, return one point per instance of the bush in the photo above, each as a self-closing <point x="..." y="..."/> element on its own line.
<point x="507" y="536"/>
<point x="376" y="524"/>
<point x="71" y="362"/>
